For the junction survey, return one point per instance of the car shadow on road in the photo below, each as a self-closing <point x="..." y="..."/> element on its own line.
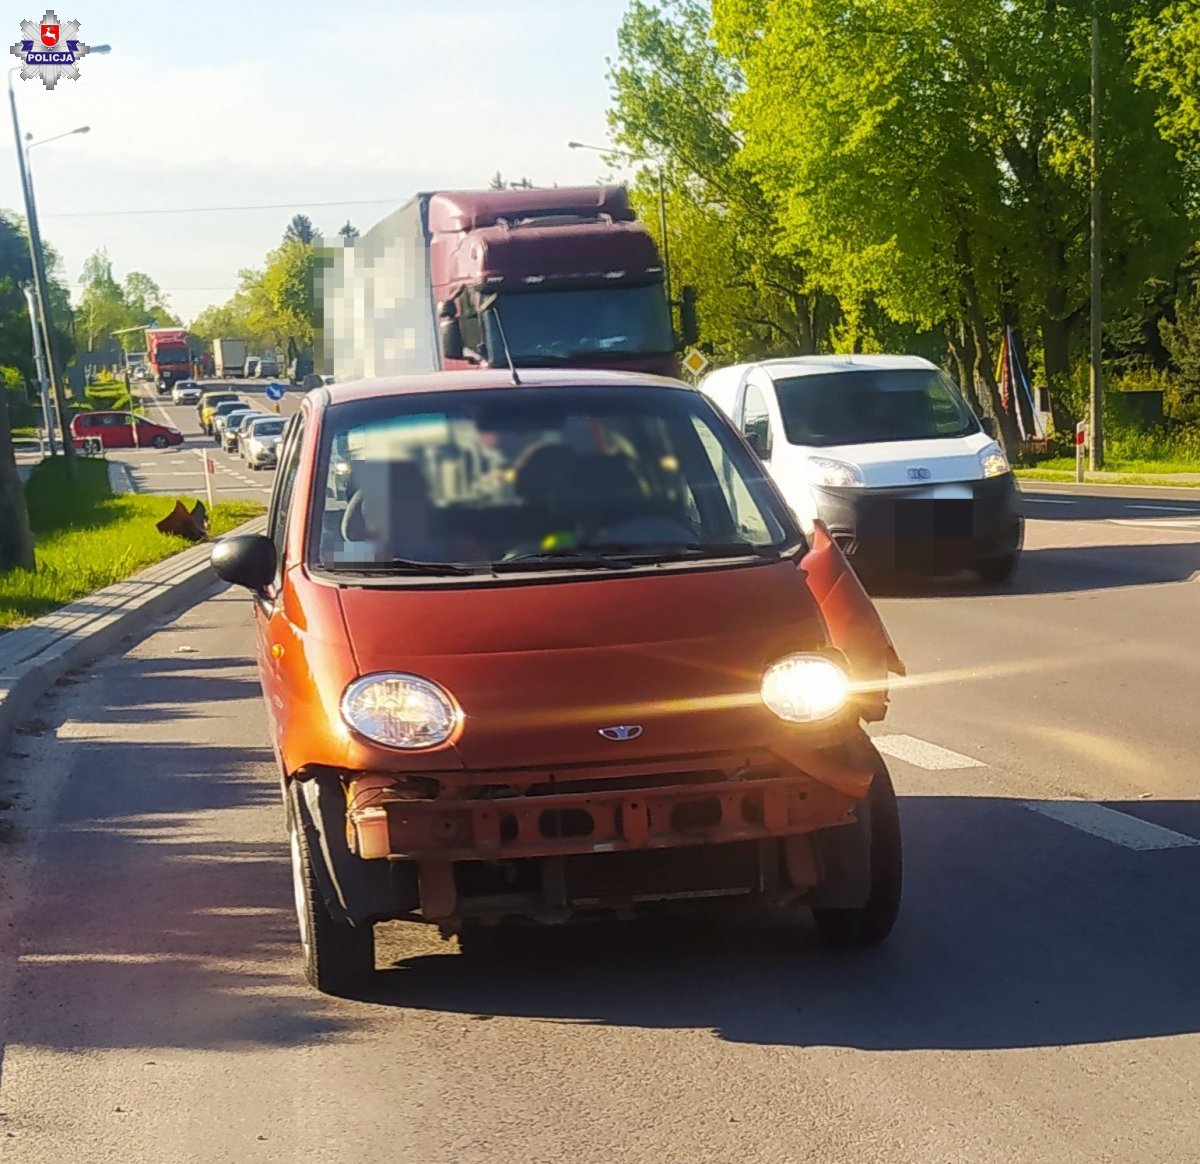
<point x="1016" y="931"/>
<point x="1060" y="570"/>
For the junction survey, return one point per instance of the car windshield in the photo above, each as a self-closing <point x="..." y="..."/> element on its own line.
<point x="237" y="419"/>
<point x="872" y="405"/>
<point x="266" y="428"/>
<point x="227" y="406"/>
<point x="553" y="326"/>
<point x="538" y="478"/>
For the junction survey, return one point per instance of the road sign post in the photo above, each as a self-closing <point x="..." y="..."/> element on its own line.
<point x="210" y="469"/>
<point x="275" y="392"/>
<point x="695" y="362"/>
<point x="1080" y="445"/>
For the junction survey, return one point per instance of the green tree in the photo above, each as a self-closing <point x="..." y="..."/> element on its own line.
<point x="16" y="540"/>
<point x="1168" y="52"/>
<point x="102" y="308"/>
<point x="301" y="230"/>
<point x="933" y="157"/>
<point x="673" y="92"/>
<point x="348" y="231"/>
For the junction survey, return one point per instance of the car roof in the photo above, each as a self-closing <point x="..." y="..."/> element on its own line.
<point x="488" y="378"/>
<point x="787" y="366"/>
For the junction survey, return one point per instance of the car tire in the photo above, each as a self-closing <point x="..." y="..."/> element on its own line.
<point x="871" y="923"/>
<point x="160" y="442"/>
<point x="998" y="571"/>
<point x="338" y="959"/>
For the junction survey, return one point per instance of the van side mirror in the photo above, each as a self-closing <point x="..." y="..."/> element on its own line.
<point x="245" y="560"/>
<point x="988" y="424"/>
<point x="450" y="331"/>
<point x="689" y="325"/>
<point x="758" y="443"/>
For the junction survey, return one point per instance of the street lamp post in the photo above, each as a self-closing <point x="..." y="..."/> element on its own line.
<point x="37" y="255"/>
<point x="662" y="202"/>
<point x="39" y="355"/>
<point x="1096" y="373"/>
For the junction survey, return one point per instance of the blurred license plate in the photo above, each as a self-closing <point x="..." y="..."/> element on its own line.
<point x="947" y="493"/>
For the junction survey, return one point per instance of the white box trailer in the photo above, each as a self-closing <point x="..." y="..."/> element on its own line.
<point x="377" y="301"/>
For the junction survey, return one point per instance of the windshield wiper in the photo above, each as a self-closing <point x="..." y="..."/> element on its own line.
<point x="692" y="550"/>
<point x="399" y="566"/>
<point x="571" y="559"/>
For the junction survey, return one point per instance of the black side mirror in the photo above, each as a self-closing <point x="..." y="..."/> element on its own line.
<point x="988" y="424"/>
<point x="689" y="326"/>
<point x="450" y="331"/>
<point x="245" y="560"/>
<point x="758" y="443"/>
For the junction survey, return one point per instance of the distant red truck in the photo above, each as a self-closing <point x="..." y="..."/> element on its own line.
<point x="568" y="277"/>
<point x="169" y="356"/>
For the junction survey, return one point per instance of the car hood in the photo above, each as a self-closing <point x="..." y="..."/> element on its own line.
<point x="540" y="668"/>
<point x="886" y="464"/>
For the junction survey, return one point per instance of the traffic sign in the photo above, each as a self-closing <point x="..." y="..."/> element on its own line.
<point x="695" y="362"/>
<point x="275" y="391"/>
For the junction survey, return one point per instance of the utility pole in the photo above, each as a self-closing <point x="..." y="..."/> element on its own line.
<point x="666" y="243"/>
<point x="1096" y="374"/>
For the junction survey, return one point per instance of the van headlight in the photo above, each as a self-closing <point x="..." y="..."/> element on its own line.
<point x="824" y="471"/>
<point x="400" y="711"/>
<point x="805" y="688"/>
<point x="993" y="461"/>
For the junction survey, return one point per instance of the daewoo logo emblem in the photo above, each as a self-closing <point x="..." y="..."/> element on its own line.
<point x="627" y="731"/>
<point x="919" y="474"/>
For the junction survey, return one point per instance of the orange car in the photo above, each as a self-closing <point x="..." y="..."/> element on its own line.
<point x="539" y="650"/>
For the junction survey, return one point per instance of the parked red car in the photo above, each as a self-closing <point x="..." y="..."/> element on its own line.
<point x="122" y="430"/>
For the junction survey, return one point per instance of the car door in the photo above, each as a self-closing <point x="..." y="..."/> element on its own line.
<point x="274" y="634"/>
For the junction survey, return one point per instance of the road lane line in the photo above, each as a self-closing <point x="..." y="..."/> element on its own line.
<point x="923" y="754"/>
<point x="1119" y="828"/>
<point x="1167" y="508"/>
<point x="1047" y="501"/>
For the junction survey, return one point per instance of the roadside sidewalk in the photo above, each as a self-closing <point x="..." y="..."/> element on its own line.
<point x="33" y="658"/>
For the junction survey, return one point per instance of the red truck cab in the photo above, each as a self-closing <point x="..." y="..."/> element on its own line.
<point x="169" y="356"/>
<point x="569" y="276"/>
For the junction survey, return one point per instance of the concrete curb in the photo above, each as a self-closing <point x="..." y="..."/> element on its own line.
<point x="33" y="658"/>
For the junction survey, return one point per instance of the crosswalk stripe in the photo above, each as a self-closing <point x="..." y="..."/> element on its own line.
<point x="922" y="754"/>
<point x="1119" y="828"/>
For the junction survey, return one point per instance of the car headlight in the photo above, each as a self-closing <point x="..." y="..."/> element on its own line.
<point x="400" y="711"/>
<point x="823" y="471"/>
<point x="805" y="688"/>
<point x="994" y="462"/>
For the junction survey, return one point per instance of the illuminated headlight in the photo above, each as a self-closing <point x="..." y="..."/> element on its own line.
<point x="805" y="688"/>
<point x="400" y="711"/>
<point x="822" y="471"/>
<point x="994" y="462"/>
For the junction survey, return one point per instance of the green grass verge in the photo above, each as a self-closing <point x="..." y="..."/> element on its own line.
<point x="1126" y="465"/>
<point x="87" y="538"/>
<point x="1164" y="480"/>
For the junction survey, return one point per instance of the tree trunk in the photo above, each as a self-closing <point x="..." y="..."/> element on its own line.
<point x="984" y="372"/>
<point x="962" y="350"/>
<point x="1056" y="336"/>
<point x="804" y="320"/>
<point x="16" y="538"/>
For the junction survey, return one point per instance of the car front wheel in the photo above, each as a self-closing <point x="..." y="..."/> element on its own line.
<point x="870" y="924"/>
<point x="339" y="959"/>
<point x="160" y="442"/>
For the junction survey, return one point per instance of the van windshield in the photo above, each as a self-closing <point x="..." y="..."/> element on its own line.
<point x="538" y="478"/>
<point x="874" y="405"/>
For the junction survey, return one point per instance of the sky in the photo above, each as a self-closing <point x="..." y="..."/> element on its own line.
<point x="213" y="103"/>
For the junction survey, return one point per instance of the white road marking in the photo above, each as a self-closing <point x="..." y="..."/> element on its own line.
<point x="1168" y="508"/>
<point x="923" y="754"/>
<point x="1160" y="523"/>
<point x="1117" y="827"/>
<point x="1047" y="501"/>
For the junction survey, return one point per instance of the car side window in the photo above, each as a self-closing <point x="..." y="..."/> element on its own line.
<point x="755" y="420"/>
<point x="285" y="483"/>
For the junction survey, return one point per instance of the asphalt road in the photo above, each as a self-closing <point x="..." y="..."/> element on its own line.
<point x="1038" y="1001"/>
<point x="180" y="471"/>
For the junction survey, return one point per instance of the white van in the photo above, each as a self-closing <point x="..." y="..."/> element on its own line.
<point x="886" y="452"/>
